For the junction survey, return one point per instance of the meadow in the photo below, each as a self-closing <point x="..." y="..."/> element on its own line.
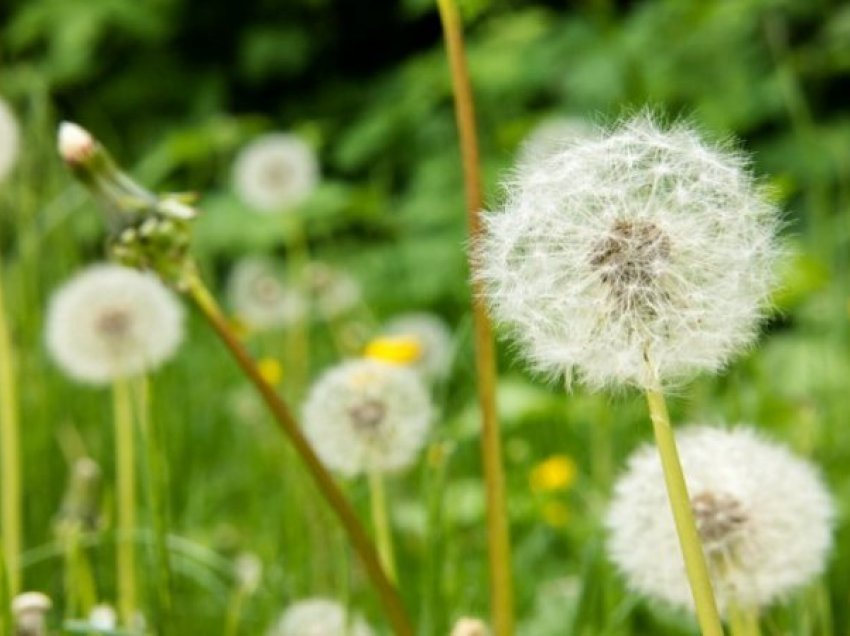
<point x="325" y="256"/>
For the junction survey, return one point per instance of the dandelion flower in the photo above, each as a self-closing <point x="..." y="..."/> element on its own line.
<point x="111" y="321"/>
<point x="103" y="617"/>
<point x="276" y="172"/>
<point x="435" y="338"/>
<point x="9" y="139"/>
<point x="641" y="240"/>
<point x="470" y="627"/>
<point x="365" y="415"/>
<point x="335" y="292"/>
<point x="261" y="298"/>
<point x="763" y="515"/>
<point x="319" y="617"/>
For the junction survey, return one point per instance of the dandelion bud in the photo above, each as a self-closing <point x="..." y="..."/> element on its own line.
<point x="319" y="617"/>
<point x="470" y="627"/>
<point x="80" y="505"/>
<point x="9" y="140"/>
<point x="248" y="571"/>
<point x="365" y="415"/>
<point x="76" y="144"/>
<point x="764" y="517"/>
<point x="639" y="240"/>
<point x="29" y="612"/>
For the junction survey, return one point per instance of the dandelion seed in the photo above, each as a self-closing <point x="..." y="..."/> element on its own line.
<point x="434" y="337"/>
<point x="365" y="416"/>
<point x="111" y="321"/>
<point x="640" y="239"/>
<point x="763" y="515"/>
<point x="319" y="617"/>
<point x="261" y="299"/>
<point x="9" y="139"/>
<point x="275" y="172"/>
<point x="470" y="627"/>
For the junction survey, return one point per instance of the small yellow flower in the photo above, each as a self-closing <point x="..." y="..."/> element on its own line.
<point x="394" y="349"/>
<point x="555" y="514"/>
<point x="558" y="472"/>
<point x="270" y="370"/>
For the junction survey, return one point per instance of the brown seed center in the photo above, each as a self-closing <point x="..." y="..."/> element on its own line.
<point x="114" y="324"/>
<point x="719" y="519"/>
<point x="368" y="415"/>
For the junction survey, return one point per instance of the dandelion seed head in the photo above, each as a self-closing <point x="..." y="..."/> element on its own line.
<point x="103" y="617"/>
<point x="111" y="321"/>
<point x="470" y="627"/>
<point x="365" y="415"/>
<point x="764" y="516"/>
<point x="9" y="139"/>
<point x="434" y="337"/>
<point x="550" y="136"/>
<point x="261" y="298"/>
<point x="319" y="617"/>
<point x="642" y="238"/>
<point x="334" y="292"/>
<point x="276" y="172"/>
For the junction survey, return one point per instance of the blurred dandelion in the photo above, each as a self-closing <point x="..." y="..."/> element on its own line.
<point x="555" y="473"/>
<point x="403" y="350"/>
<point x="29" y="611"/>
<point x="764" y="516"/>
<point x="470" y="627"/>
<point x="103" y="617"/>
<point x="261" y="298"/>
<point x="9" y="139"/>
<point x="319" y="617"/>
<point x="334" y="292"/>
<point x="275" y="172"/>
<point x="434" y="337"/>
<point x="111" y="322"/>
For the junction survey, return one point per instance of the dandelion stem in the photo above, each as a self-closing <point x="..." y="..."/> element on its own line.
<point x="501" y="592"/>
<point x="743" y="622"/>
<point x="298" y="335"/>
<point x="10" y="453"/>
<point x="680" y="503"/>
<point x="358" y="536"/>
<point x="380" y="521"/>
<point x="125" y="486"/>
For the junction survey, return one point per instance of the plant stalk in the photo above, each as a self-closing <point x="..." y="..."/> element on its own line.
<point x="501" y="591"/>
<point x="680" y="503"/>
<point x="381" y="524"/>
<point x="358" y="536"/>
<point x="125" y="487"/>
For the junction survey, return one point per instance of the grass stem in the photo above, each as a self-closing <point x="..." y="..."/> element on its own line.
<point x="498" y="536"/>
<point x="381" y="524"/>
<point x="125" y="487"/>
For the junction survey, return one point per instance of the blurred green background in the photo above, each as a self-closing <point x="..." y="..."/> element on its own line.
<point x="176" y="87"/>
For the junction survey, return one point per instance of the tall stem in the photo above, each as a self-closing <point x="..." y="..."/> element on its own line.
<point x="501" y="592"/>
<point x="10" y="452"/>
<point x="125" y="476"/>
<point x="680" y="503"/>
<point x="358" y="536"/>
<point x="381" y="524"/>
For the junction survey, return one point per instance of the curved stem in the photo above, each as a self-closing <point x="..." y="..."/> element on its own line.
<point x="381" y="524"/>
<point x="125" y="488"/>
<point x="680" y="503"/>
<point x="498" y="536"/>
<point x="387" y="593"/>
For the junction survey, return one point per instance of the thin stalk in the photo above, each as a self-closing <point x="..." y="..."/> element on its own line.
<point x="10" y="453"/>
<point x="298" y="334"/>
<point x="680" y="503"/>
<point x="381" y="524"/>
<point x="156" y="478"/>
<point x="743" y="622"/>
<point x="234" y="611"/>
<point x="499" y="547"/>
<point x="80" y="589"/>
<point x="357" y="534"/>
<point x="125" y="477"/>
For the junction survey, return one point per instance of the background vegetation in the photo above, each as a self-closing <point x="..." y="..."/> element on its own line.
<point x="176" y="87"/>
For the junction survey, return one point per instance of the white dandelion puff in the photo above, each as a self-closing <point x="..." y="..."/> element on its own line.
<point x="103" y="617"/>
<point x="470" y="627"/>
<point x="434" y="337"/>
<point x="643" y="239"/>
<point x="29" y="613"/>
<point x="111" y="321"/>
<point x="764" y="517"/>
<point x="261" y="298"/>
<point x="334" y="291"/>
<point x="319" y="617"/>
<point x="551" y="136"/>
<point x="365" y="415"/>
<point x="9" y="139"/>
<point x="275" y="172"/>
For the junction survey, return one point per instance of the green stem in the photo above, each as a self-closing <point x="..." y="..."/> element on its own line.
<point x="10" y="452"/>
<point x="680" y="503"/>
<point x="156" y="478"/>
<point x="234" y="611"/>
<point x="357" y="534"/>
<point x="380" y="522"/>
<point x="125" y="501"/>
<point x="743" y="622"/>
<point x="498" y="536"/>
<point x="298" y="334"/>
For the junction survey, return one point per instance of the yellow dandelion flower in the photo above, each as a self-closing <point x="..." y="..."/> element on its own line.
<point x="555" y="514"/>
<point x="271" y="371"/>
<point x="558" y="472"/>
<point x="403" y="350"/>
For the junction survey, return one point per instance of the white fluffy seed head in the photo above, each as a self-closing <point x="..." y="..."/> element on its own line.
<point x="433" y="335"/>
<point x="638" y="238"/>
<point x="103" y="617"/>
<point x="275" y="172"/>
<point x="319" y="617"/>
<point x="260" y="297"/>
<point x="365" y="415"/>
<point x="111" y="321"/>
<point x="470" y="627"/>
<point x="9" y="139"/>
<point x="764" y="516"/>
<point x="334" y="292"/>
